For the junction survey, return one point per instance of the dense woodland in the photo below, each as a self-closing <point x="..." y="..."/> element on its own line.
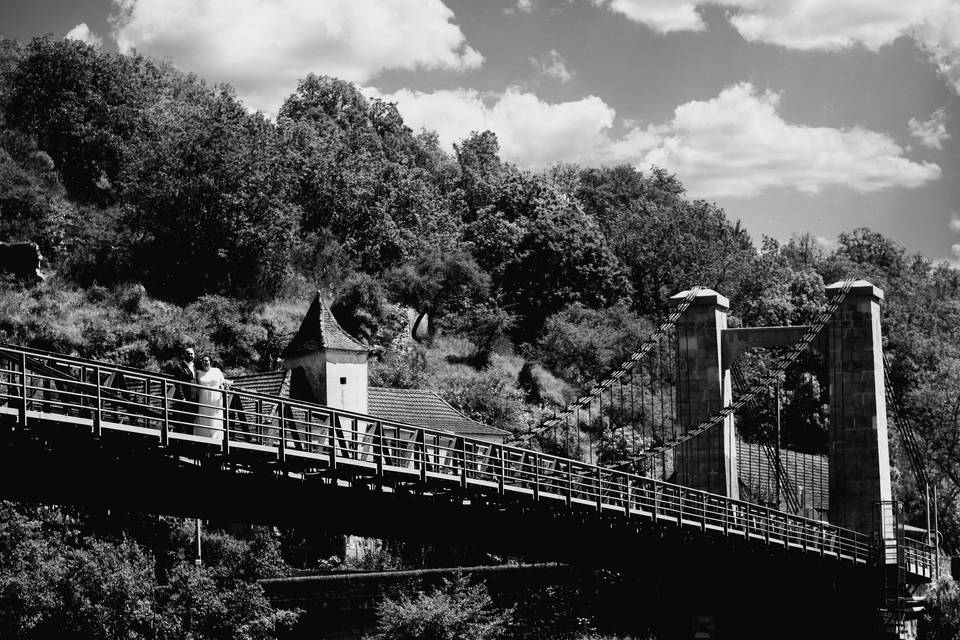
<point x="166" y="212"/>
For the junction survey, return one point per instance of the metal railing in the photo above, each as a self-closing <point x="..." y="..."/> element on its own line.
<point x="91" y="395"/>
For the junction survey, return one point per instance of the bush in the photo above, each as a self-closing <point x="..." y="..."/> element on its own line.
<point x="455" y="611"/>
<point x="487" y="396"/>
<point x="58" y="582"/>
<point x="404" y="368"/>
<point x="581" y="344"/>
<point x="362" y="310"/>
<point x="941" y="616"/>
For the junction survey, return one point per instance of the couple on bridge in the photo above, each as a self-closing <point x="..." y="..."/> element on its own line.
<point x="198" y="396"/>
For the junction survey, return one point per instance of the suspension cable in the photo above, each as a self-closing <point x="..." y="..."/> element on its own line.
<point x="624" y="368"/>
<point x="791" y="356"/>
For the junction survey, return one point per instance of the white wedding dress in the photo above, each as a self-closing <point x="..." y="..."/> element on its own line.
<point x="210" y="411"/>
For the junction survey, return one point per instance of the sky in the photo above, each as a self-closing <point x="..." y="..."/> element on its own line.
<point x="795" y="116"/>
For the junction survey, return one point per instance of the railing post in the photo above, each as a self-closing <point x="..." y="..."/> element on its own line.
<point x="98" y="410"/>
<point x="282" y="432"/>
<point x="727" y="507"/>
<point x="23" y="390"/>
<point x="333" y="440"/>
<point x="656" y="500"/>
<point x="703" y="511"/>
<point x="599" y="489"/>
<point x="226" y="422"/>
<point x="767" y="528"/>
<point x="165" y="423"/>
<point x="461" y="446"/>
<point x="500" y="468"/>
<point x="378" y="440"/>
<point x="629" y="493"/>
<point x="422" y="441"/>
<point x="536" y="477"/>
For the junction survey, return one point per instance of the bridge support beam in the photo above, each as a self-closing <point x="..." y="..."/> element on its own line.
<point x="708" y="461"/>
<point x="858" y="450"/>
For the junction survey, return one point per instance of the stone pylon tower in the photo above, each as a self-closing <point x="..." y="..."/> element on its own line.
<point x="858" y="450"/>
<point x="708" y="461"/>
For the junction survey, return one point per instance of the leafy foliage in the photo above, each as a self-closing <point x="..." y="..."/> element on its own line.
<point x="941" y="615"/>
<point x="581" y="344"/>
<point x="57" y="582"/>
<point x="455" y="611"/>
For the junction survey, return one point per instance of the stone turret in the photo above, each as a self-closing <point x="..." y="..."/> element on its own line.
<point x="327" y="365"/>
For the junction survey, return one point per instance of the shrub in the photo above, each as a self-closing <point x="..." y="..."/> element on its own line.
<point x="488" y="396"/>
<point x="455" y="611"/>
<point x="403" y="368"/>
<point x="581" y="344"/>
<point x="941" y="616"/>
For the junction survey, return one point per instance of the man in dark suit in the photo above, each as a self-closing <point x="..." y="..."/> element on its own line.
<point x="186" y="396"/>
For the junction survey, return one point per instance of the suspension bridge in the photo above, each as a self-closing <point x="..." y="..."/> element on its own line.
<point x="648" y="461"/>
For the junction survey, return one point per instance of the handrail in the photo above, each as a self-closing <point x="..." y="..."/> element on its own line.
<point x="319" y="436"/>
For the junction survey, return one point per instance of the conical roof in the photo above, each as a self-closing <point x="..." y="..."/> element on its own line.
<point x="320" y="331"/>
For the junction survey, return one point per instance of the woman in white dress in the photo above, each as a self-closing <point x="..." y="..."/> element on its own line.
<point x="210" y="413"/>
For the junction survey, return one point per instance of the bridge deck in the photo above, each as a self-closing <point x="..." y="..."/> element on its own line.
<point x="94" y="398"/>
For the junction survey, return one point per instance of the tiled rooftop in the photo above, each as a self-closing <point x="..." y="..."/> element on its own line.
<point x="418" y="407"/>
<point x="424" y="408"/>
<point x="271" y="383"/>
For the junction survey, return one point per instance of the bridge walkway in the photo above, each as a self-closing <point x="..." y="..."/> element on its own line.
<point x="93" y="398"/>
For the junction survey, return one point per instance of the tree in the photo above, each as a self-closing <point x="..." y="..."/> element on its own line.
<point x="480" y="170"/>
<point x="57" y="581"/>
<point x="362" y="310"/>
<point x="359" y="167"/>
<point x="82" y="105"/>
<point x="665" y="242"/>
<point x="562" y="258"/>
<point x="583" y="344"/>
<point x="210" y="195"/>
<point x="455" y="611"/>
<point x="439" y="283"/>
<point x="941" y="615"/>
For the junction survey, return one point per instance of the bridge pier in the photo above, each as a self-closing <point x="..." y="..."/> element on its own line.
<point x="707" y="461"/>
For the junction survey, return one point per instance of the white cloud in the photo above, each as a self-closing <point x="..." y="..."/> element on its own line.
<point x="553" y="65"/>
<point x="939" y="36"/>
<point x="818" y="24"/>
<point x="531" y="132"/>
<point x="525" y="6"/>
<point x="263" y="48"/>
<point x="663" y="16"/>
<point x="954" y="224"/>
<point x="82" y="33"/>
<point x="931" y="132"/>
<point x="738" y="145"/>
<point x="735" y="144"/>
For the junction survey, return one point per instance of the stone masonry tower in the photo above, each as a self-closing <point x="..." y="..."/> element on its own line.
<point x="858" y="449"/>
<point x="708" y="461"/>
<point x="328" y="366"/>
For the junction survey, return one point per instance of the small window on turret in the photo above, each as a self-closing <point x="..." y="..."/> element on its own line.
<point x="343" y="381"/>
